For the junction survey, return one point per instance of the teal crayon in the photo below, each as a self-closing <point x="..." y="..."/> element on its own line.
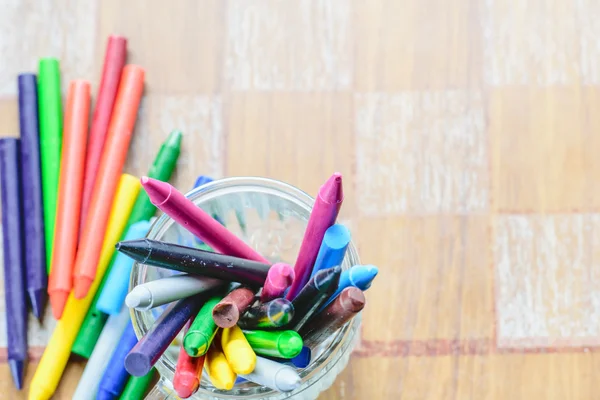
<point x="333" y="248"/>
<point x="359" y="276"/>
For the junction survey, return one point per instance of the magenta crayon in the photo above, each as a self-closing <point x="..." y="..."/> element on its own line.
<point x="173" y="203"/>
<point x="14" y="266"/>
<point x="279" y="278"/>
<point x="323" y="215"/>
<point x="33" y="207"/>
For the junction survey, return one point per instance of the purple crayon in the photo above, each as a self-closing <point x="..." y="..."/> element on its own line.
<point x="14" y="279"/>
<point x="323" y="215"/>
<point x="153" y="344"/>
<point x="33" y="208"/>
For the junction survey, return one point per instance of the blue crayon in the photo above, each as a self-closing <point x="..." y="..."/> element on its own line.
<point x="202" y="180"/>
<point x="115" y="377"/>
<point x="117" y="283"/>
<point x="333" y="248"/>
<point x="359" y="276"/>
<point x="302" y="360"/>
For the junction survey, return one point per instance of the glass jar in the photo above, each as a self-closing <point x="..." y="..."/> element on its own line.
<point x="271" y="216"/>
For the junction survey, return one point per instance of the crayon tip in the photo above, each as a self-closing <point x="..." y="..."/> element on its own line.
<point x="16" y="370"/>
<point x="174" y="139"/>
<point x="38" y="298"/>
<point x="186" y="385"/>
<point x="332" y="191"/>
<point x="225" y="315"/>
<point x="58" y="299"/>
<point x="82" y="286"/>
<point x="158" y="191"/>
<point x="139" y="298"/>
<point x="287" y="380"/>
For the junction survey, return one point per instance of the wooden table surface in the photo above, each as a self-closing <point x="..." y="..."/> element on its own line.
<point x="467" y="133"/>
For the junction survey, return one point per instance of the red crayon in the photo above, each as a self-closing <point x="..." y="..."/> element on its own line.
<point x="323" y="215"/>
<point x="279" y="278"/>
<point x="114" y="61"/>
<point x="188" y="372"/>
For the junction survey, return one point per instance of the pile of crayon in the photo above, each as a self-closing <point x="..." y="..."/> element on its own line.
<point x="74" y="223"/>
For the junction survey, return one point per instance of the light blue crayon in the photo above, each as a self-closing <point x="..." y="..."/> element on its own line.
<point x="333" y="248"/>
<point x="359" y="276"/>
<point x="117" y="283"/>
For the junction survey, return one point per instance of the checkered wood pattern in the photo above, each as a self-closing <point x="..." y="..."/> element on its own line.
<point x="466" y="131"/>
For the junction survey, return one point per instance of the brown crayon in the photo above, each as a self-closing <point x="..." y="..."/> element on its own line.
<point x="349" y="303"/>
<point x="228" y="311"/>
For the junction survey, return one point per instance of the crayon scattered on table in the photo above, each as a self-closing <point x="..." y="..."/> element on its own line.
<point x="69" y="195"/>
<point x="14" y="263"/>
<point x="195" y="261"/>
<point x="359" y="276"/>
<point x="333" y="248"/>
<point x="274" y="375"/>
<point x="203" y="329"/>
<point x="229" y="310"/>
<point x="112" y="297"/>
<point x="114" y="61"/>
<point x="115" y="376"/>
<point x="111" y="163"/>
<point x="240" y="355"/>
<point x="282" y="344"/>
<point x="271" y="315"/>
<point x="279" y="278"/>
<point x="188" y="373"/>
<point x="323" y="215"/>
<point x="193" y="218"/>
<point x="166" y="290"/>
<point x="33" y="207"/>
<point x="322" y="326"/>
<point x="219" y="371"/>
<point x="163" y="166"/>
<point x="54" y="360"/>
<point x="51" y="119"/>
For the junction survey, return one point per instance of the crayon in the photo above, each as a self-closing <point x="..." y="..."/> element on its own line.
<point x="33" y="207"/>
<point x="274" y="375"/>
<point x="237" y="350"/>
<point x="219" y="371"/>
<point x="323" y="215"/>
<point x="316" y="292"/>
<point x="203" y="329"/>
<point x="188" y="373"/>
<point x="57" y="352"/>
<point x="195" y="261"/>
<point x="359" y="276"/>
<point x="69" y="195"/>
<point x="50" y="116"/>
<point x="194" y="219"/>
<point x="202" y="180"/>
<point x="270" y="315"/>
<point x="14" y="263"/>
<point x="153" y="344"/>
<point x="333" y="248"/>
<point x="111" y="163"/>
<point x="137" y="386"/>
<point x="282" y="344"/>
<point x="117" y="281"/>
<point x="302" y="360"/>
<point x="143" y="210"/>
<point x="89" y="382"/>
<point x="323" y="325"/>
<point x="115" y="376"/>
<point x="167" y="290"/>
<point x="229" y="310"/>
<point x="114" y="61"/>
<point x="279" y="278"/>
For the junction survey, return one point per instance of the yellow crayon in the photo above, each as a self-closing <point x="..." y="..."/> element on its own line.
<point x="237" y="350"/>
<point x="219" y="371"/>
<point x="55" y="357"/>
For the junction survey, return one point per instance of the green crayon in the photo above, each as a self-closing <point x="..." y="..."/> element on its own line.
<point x="137" y="386"/>
<point x="162" y="169"/>
<point x="50" y="117"/>
<point x="282" y="344"/>
<point x="202" y="331"/>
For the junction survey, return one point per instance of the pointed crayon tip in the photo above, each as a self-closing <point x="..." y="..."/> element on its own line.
<point x="174" y="139"/>
<point x="58" y="300"/>
<point x="81" y="287"/>
<point x="157" y="191"/>
<point x="16" y="370"/>
<point x="117" y="246"/>
<point x="38" y="300"/>
<point x="332" y="191"/>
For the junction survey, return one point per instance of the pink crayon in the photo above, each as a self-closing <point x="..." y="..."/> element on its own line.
<point x="323" y="215"/>
<point x="173" y="203"/>
<point x="279" y="278"/>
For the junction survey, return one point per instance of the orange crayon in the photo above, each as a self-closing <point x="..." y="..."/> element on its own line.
<point x="111" y="163"/>
<point x="70" y="190"/>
